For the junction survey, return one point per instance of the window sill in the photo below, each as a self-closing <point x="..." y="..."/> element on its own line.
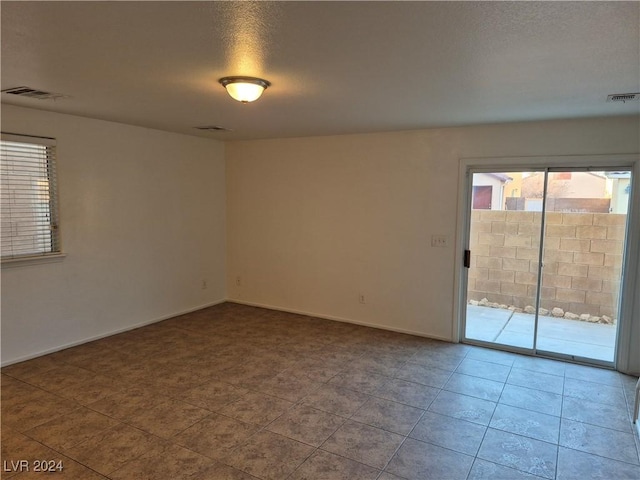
<point x="25" y="261"/>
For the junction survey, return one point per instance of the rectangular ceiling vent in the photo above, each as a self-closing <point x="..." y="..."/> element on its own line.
<point x="33" y="93"/>
<point x="624" y="97"/>
<point x="213" y="128"/>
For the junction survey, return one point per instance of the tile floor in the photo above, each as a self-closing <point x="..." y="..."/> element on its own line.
<point x="236" y="392"/>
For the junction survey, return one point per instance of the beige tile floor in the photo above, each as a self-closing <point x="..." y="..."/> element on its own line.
<point x="235" y="392"/>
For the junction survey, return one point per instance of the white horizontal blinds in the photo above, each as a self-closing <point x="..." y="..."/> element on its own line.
<point x="28" y="196"/>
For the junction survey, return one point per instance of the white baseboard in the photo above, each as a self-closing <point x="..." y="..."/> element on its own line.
<point x="107" y="334"/>
<point x="340" y="319"/>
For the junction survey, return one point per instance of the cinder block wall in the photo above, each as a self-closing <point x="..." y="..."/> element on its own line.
<point x="581" y="265"/>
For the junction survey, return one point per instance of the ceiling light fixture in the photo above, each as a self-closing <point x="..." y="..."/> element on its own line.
<point x="244" y="89"/>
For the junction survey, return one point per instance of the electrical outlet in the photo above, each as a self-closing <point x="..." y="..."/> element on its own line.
<point x="238" y="281"/>
<point x="439" y="241"/>
<point x="204" y="284"/>
<point x="361" y="298"/>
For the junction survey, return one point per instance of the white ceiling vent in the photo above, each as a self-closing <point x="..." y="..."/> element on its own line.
<point x="624" y="97"/>
<point x="33" y="93"/>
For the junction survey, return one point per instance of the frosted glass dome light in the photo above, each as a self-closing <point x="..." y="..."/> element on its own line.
<point x="244" y="89"/>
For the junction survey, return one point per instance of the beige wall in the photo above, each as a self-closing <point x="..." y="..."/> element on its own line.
<point x="142" y="219"/>
<point x="619" y="195"/>
<point x="314" y="222"/>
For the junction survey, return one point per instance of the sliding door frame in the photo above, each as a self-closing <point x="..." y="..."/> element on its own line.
<point x="627" y="324"/>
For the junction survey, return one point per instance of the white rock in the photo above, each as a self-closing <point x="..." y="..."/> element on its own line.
<point x="473" y="302"/>
<point x="530" y="309"/>
<point x="585" y="317"/>
<point x="543" y="311"/>
<point x="593" y="319"/>
<point x="557" y="312"/>
<point x="571" y="316"/>
<point x="483" y="302"/>
<point x="606" y="319"/>
<point x="503" y="306"/>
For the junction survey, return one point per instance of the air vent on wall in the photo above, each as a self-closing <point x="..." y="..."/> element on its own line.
<point x="624" y="97"/>
<point x="33" y="93"/>
<point x="213" y="128"/>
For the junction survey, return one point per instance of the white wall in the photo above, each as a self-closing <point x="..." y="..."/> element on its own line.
<point x="142" y="219"/>
<point x="314" y="222"/>
<point x="311" y="223"/>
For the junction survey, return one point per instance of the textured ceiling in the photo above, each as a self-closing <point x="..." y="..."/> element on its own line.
<point x="335" y="67"/>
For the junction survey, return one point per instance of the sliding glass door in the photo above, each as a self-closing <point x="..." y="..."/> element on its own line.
<point x="546" y="249"/>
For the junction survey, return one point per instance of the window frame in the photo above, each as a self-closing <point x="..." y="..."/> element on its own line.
<point x="56" y="252"/>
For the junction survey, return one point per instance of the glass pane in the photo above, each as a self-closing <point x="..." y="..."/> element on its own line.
<point x="586" y="217"/>
<point x="504" y="242"/>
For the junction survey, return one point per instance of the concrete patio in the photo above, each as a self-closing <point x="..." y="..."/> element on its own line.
<point x="569" y="337"/>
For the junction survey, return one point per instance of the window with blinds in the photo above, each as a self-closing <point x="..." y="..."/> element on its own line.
<point x="28" y="195"/>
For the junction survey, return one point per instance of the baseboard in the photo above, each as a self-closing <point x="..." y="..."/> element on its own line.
<point x="108" y="334"/>
<point x="339" y="319"/>
<point x="232" y="300"/>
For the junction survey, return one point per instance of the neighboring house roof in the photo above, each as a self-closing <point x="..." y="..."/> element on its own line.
<point x="597" y="174"/>
<point x="500" y="176"/>
<point x="601" y="175"/>
<point x="618" y="174"/>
